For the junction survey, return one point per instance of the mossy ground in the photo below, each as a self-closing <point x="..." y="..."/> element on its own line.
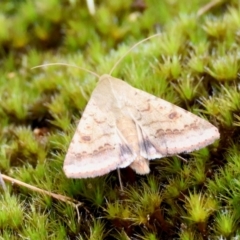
<point x="194" y="63"/>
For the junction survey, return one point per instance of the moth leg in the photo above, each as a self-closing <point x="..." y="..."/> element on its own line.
<point x="120" y="179"/>
<point x="182" y="158"/>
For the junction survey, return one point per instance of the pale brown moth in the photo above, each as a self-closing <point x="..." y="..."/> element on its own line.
<point x="123" y="126"/>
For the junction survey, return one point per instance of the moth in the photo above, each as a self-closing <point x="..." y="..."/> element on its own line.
<point x="123" y="126"/>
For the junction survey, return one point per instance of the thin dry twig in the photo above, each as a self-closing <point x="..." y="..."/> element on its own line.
<point x="208" y="6"/>
<point x="36" y="189"/>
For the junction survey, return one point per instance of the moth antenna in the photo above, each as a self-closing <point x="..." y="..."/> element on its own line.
<point x="67" y="65"/>
<point x="125" y="54"/>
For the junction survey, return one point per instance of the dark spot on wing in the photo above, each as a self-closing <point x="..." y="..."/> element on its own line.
<point x="86" y="138"/>
<point x="160" y="132"/>
<point x="107" y="145"/>
<point x="173" y="115"/>
<point x="99" y="121"/>
<point x="193" y="125"/>
<point x="146" y="109"/>
<point x="176" y="131"/>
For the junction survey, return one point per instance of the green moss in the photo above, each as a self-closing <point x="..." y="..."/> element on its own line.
<point x="193" y="63"/>
<point x="11" y="206"/>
